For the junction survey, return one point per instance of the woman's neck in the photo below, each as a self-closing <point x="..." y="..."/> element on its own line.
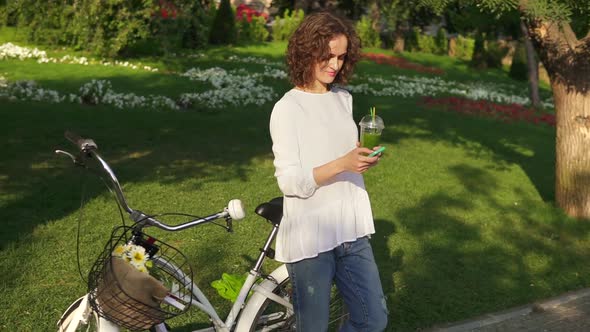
<point x="314" y="88"/>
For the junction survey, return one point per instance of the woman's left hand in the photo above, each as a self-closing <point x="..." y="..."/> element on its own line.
<point x="372" y="161"/>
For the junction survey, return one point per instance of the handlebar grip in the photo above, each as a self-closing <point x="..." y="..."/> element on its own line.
<point x="81" y="143"/>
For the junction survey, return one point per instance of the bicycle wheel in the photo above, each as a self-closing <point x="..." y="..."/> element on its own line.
<point x="263" y="314"/>
<point x="78" y="317"/>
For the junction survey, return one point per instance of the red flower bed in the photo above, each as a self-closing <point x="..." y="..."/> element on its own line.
<point x="506" y="113"/>
<point x="401" y="63"/>
<point x="249" y="12"/>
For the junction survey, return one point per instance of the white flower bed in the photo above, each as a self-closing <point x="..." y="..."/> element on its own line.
<point x="404" y="86"/>
<point x="252" y="59"/>
<point x="239" y="87"/>
<point x="28" y="90"/>
<point x="231" y="88"/>
<point x="11" y="51"/>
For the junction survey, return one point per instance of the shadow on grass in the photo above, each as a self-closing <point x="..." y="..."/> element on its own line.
<point x="462" y="267"/>
<point x="531" y="147"/>
<point x="469" y="266"/>
<point x="147" y="146"/>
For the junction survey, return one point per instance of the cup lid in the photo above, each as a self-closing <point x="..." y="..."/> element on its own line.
<point x="369" y="122"/>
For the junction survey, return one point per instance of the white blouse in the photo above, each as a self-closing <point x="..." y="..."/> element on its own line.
<point x="309" y="130"/>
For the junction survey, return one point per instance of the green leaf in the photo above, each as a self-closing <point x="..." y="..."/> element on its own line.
<point x="229" y="285"/>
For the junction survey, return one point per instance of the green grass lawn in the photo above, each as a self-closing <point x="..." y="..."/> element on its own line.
<point x="463" y="206"/>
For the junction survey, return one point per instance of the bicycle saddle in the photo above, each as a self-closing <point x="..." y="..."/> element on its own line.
<point x="271" y="210"/>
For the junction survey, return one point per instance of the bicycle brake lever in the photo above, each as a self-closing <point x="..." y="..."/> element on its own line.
<point x="74" y="159"/>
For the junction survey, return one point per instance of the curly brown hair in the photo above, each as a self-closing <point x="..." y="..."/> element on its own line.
<point x="309" y="45"/>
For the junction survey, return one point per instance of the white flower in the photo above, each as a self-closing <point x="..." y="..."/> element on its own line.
<point x="11" y="51"/>
<point x="404" y="86"/>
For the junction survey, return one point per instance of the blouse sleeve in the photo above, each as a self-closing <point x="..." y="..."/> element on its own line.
<point x="292" y="177"/>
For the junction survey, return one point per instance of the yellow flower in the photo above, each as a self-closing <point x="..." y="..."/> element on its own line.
<point x="119" y="251"/>
<point x="138" y="255"/>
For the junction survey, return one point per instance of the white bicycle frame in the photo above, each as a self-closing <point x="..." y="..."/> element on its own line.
<point x="202" y="302"/>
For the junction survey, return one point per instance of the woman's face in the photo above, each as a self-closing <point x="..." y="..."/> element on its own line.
<point x="325" y="71"/>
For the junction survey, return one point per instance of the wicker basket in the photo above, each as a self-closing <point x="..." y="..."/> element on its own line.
<point x="119" y="292"/>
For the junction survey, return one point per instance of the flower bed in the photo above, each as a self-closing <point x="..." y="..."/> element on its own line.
<point x="506" y="113"/>
<point x="407" y="87"/>
<point x="401" y="63"/>
<point x="12" y="51"/>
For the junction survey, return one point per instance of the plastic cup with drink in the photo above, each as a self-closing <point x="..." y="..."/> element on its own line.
<point x="371" y="126"/>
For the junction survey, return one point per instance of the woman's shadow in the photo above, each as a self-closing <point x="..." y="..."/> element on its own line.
<point x="388" y="262"/>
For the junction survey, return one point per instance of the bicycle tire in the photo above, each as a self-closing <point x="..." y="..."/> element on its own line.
<point x="262" y="314"/>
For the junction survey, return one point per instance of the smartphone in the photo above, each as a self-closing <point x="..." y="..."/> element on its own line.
<point x="376" y="152"/>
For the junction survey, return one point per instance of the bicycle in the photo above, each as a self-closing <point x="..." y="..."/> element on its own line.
<point x="263" y="302"/>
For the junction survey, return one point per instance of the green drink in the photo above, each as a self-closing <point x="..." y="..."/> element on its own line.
<point x="370" y="139"/>
<point x="371" y="128"/>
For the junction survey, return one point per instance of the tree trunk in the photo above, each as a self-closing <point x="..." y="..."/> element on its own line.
<point x="452" y="47"/>
<point x="533" y="67"/>
<point x="572" y="167"/>
<point x="567" y="61"/>
<point x="399" y="42"/>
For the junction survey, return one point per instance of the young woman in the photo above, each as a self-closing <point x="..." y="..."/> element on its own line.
<point x="327" y="217"/>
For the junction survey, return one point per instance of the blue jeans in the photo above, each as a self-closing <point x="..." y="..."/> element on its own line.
<point x="352" y="266"/>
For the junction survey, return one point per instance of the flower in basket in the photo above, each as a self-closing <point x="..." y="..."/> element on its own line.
<point x="134" y="255"/>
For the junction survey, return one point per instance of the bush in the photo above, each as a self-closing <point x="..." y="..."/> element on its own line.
<point x="464" y="48"/>
<point x="494" y="54"/>
<point x="368" y="35"/>
<point x="519" y="67"/>
<point x="284" y="27"/>
<point x="254" y="31"/>
<point x="478" y="59"/>
<point x="440" y="42"/>
<point x="195" y="28"/>
<point x="412" y="39"/>
<point x="426" y="44"/>
<point x="113" y="27"/>
<point x="224" y="29"/>
<point x="416" y="41"/>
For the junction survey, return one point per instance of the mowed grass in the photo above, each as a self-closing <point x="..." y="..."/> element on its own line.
<point x="463" y="206"/>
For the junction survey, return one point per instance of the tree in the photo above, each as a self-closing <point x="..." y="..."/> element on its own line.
<point x="567" y="60"/>
<point x="532" y="66"/>
<point x="223" y="30"/>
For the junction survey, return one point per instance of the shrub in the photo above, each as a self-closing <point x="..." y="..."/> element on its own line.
<point x="196" y="27"/>
<point x="368" y="35"/>
<point x="253" y="31"/>
<point x="440" y="42"/>
<point x="412" y="39"/>
<point x="111" y="27"/>
<point x="519" y="68"/>
<point x="487" y="54"/>
<point x="464" y="48"/>
<point x="284" y="27"/>
<point x="426" y="43"/>
<point x="494" y="53"/>
<point x="223" y="30"/>
<point x="478" y="59"/>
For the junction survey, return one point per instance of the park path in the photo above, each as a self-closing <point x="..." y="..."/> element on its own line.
<point x="569" y="312"/>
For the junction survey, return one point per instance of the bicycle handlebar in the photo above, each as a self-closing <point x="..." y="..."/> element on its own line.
<point x="88" y="149"/>
<point x="84" y="144"/>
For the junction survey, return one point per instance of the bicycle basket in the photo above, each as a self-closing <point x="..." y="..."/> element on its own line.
<point x="132" y="276"/>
